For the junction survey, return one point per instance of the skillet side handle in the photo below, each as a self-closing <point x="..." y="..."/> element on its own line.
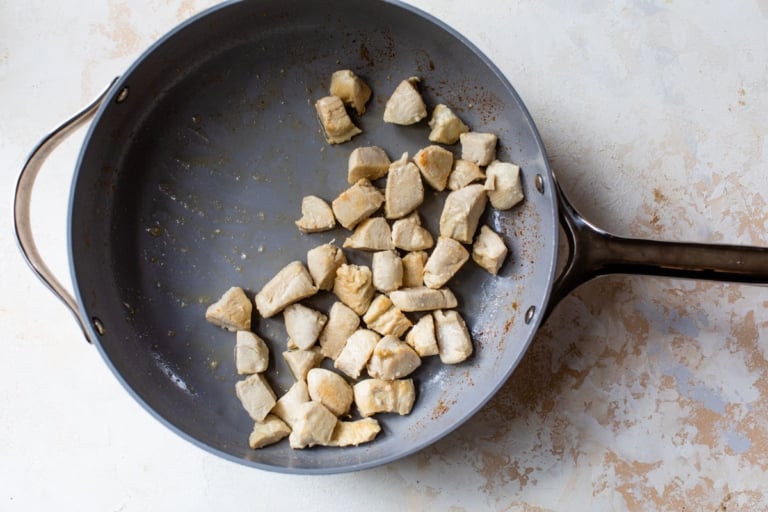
<point x="23" y="199"/>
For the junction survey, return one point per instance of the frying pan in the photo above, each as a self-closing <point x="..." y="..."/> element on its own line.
<point x="191" y="176"/>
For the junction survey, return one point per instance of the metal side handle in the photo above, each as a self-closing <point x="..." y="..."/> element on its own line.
<point x="22" y="201"/>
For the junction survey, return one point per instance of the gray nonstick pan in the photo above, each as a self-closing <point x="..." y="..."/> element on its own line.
<point x="191" y="177"/>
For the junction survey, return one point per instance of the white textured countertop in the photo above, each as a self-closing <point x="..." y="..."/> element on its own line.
<point x="638" y="394"/>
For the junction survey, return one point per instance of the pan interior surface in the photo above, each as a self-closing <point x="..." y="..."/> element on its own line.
<point x="192" y="182"/>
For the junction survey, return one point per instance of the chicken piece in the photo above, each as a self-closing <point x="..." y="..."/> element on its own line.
<point x="356" y="352"/>
<point x="422" y="337"/>
<point x="406" y="105"/>
<point x="342" y="322"/>
<point x="316" y="216"/>
<point x="303" y="325"/>
<point x="351" y="89"/>
<point x="301" y="361"/>
<point x="287" y="407"/>
<point x="376" y="395"/>
<point x="404" y="192"/>
<point x="330" y="389"/>
<point x="435" y="164"/>
<point x="232" y="311"/>
<point x="251" y="353"/>
<point x="384" y="318"/>
<point x="387" y="268"/>
<point x="256" y="395"/>
<point x="337" y="125"/>
<point x="453" y="341"/>
<point x="413" y="269"/>
<point x="503" y="185"/>
<point x="369" y="162"/>
<point x="392" y="359"/>
<point x="489" y="250"/>
<point x="447" y="258"/>
<point x="372" y="234"/>
<point x="464" y="172"/>
<point x="268" y="432"/>
<point x="461" y="213"/>
<point x="478" y="147"/>
<point x="322" y="262"/>
<point x="354" y="287"/>
<point x="409" y="235"/>
<point x="314" y="425"/>
<point x="290" y="285"/>
<point x="354" y="433"/>
<point x="422" y="299"/>
<point x="357" y="203"/>
<point x="446" y="126"/>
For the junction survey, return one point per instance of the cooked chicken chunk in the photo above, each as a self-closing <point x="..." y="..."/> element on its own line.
<point x="503" y="185"/>
<point x="342" y="322"/>
<point x="268" y="432"/>
<point x="373" y="234"/>
<point x="489" y="250"/>
<point x="290" y="285"/>
<point x="251" y="353"/>
<point x="303" y="325"/>
<point x="461" y="213"/>
<point x="453" y="340"/>
<point x="464" y="172"/>
<point x="353" y="433"/>
<point x="357" y="203"/>
<point x="384" y="318"/>
<point x="435" y="164"/>
<point x="376" y="395"/>
<point x="232" y="311"/>
<point x="422" y="337"/>
<point x="422" y="299"/>
<point x="409" y="235"/>
<point x="392" y="359"/>
<point x="387" y="268"/>
<point x="447" y="258"/>
<point x="356" y="352"/>
<point x="404" y="192"/>
<point x="413" y="269"/>
<point x="314" y="425"/>
<point x="330" y="389"/>
<point x="446" y="126"/>
<point x="354" y="287"/>
<point x="316" y="215"/>
<point x="301" y="361"/>
<point x="351" y="89"/>
<point x="256" y="395"/>
<point x="336" y="123"/>
<point x="287" y="407"/>
<point x="322" y="262"/>
<point x="478" y="147"/>
<point x="405" y="106"/>
<point x="370" y="162"/>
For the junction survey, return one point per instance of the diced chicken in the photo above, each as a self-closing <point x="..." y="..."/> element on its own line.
<point x="404" y="192"/>
<point x="409" y="235"/>
<point x="376" y="395"/>
<point x="422" y="337"/>
<point x="464" y="172"/>
<point x="503" y="185"/>
<point x="354" y="433"/>
<point x="489" y="250"/>
<point x="478" y="147"/>
<point x="447" y="258"/>
<point x="290" y="285"/>
<point x="314" y="425"/>
<point x="287" y="407"/>
<point x="405" y="106"/>
<point x="303" y="325"/>
<point x="446" y="126"/>
<point x="232" y="311"/>
<point x="268" y="432"/>
<point x="387" y="268"/>
<point x="370" y="162"/>
<point x="337" y="125"/>
<point x="453" y="340"/>
<point x="435" y="164"/>
<point x="422" y="299"/>
<point x="256" y="395"/>
<point x="301" y="361"/>
<point x="322" y="262"/>
<point x="342" y="322"/>
<point x="356" y="352"/>
<point x="461" y="213"/>
<point x="373" y="234"/>
<point x="354" y="287"/>
<point x="251" y="353"/>
<point x="351" y="89"/>
<point x="384" y="318"/>
<point x="392" y="359"/>
<point x="413" y="269"/>
<point x="316" y="215"/>
<point x="330" y="389"/>
<point x="357" y="203"/>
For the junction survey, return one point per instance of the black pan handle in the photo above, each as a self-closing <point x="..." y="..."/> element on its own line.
<point x="23" y="199"/>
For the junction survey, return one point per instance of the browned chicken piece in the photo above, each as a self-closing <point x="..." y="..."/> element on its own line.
<point x="268" y="432"/>
<point x="330" y="389"/>
<point x="464" y="172"/>
<point x="373" y="234"/>
<point x="356" y="352"/>
<point x="256" y="395"/>
<point x="503" y="185"/>
<point x="387" y="268"/>
<point x="461" y="213"/>
<point x="369" y="162"/>
<point x="287" y="407"/>
<point x="422" y="337"/>
<point x="316" y="216"/>
<point x="322" y="263"/>
<point x="357" y="203"/>
<point x="489" y="250"/>
<point x="404" y="192"/>
<point x="392" y="359"/>
<point x="422" y="299"/>
<point x="232" y="311"/>
<point x="354" y="433"/>
<point x="446" y="126"/>
<point x="435" y="164"/>
<point x="251" y="353"/>
<point x="301" y="361"/>
<point x="376" y="395"/>
<point x="354" y="287"/>
<point x="290" y="285"/>
<point x="314" y="426"/>
<point x="447" y="258"/>
<point x="337" y="125"/>
<point x="409" y="235"/>
<point x="384" y="318"/>
<point x="478" y="147"/>
<point x="342" y="322"/>
<point x="303" y="325"/>
<point x="453" y="340"/>
<point x="413" y="269"/>
<point x="406" y="105"/>
<point x="351" y="89"/>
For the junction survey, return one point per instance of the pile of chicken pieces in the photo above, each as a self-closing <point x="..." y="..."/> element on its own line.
<point x="402" y="298"/>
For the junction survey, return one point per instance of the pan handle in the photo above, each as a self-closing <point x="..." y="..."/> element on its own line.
<point x="23" y="197"/>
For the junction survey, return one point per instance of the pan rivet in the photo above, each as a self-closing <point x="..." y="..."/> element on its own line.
<point x="529" y="314"/>
<point x="539" y="182"/>
<point x="98" y="326"/>
<point x="122" y="95"/>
